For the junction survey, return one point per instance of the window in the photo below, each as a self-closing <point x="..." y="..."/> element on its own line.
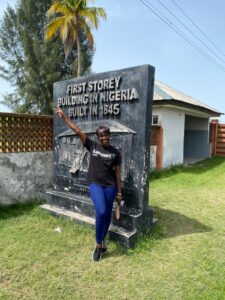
<point x="155" y="120"/>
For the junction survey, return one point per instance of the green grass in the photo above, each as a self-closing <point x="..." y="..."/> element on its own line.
<point x="183" y="257"/>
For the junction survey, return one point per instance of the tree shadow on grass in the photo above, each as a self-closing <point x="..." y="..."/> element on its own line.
<point x="170" y="224"/>
<point x="175" y="224"/>
<point x="197" y="168"/>
<point x="18" y="209"/>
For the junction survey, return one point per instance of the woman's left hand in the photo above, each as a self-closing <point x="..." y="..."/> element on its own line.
<point x="118" y="203"/>
<point x="119" y="198"/>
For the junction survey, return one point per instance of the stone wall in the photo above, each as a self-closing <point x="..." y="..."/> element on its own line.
<point x="25" y="176"/>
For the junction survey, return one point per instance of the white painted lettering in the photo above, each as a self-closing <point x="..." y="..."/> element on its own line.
<point x="117" y="82"/>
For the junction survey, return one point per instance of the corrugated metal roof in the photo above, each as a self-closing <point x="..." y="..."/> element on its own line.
<point x="163" y="91"/>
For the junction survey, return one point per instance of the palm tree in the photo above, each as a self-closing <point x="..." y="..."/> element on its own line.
<point x="68" y="18"/>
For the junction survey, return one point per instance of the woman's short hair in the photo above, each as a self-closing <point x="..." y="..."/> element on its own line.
<point x="102" y="128"/>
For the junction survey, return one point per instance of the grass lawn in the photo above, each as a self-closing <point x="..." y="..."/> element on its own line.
<point x="183" y="258"/>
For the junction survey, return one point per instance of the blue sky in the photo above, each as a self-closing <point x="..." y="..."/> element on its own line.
<point x="132" y="35"/>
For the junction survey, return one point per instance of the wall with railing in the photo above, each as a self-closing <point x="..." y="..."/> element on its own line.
<point x="26" y="158"/>
<point x="25" y="133"/>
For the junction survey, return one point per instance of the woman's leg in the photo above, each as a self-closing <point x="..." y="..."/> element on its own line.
<point x="110" y="194"/>
<point x="98" y="197"/>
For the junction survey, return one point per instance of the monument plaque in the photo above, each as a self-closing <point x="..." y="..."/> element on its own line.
<point x="122" y="100"/>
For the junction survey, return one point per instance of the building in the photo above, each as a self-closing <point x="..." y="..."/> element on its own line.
<point x="185" y="124"/>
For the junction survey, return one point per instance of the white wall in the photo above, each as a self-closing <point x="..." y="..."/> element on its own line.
<point x="172" y="122"/>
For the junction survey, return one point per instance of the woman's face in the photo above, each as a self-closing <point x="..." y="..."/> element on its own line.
<point x="103" y="137"/>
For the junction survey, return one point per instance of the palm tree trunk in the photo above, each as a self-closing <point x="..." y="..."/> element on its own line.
<point x="79" y="56"/>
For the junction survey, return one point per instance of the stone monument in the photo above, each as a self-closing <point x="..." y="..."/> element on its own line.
<point x="122" y="100"/>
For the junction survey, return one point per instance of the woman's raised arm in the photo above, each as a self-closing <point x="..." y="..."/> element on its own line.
<point x="72" y="125"/>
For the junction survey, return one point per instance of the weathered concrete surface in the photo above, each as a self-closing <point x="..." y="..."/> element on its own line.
<point x="24" y="176"/>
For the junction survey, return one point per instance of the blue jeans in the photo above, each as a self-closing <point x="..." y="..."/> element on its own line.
<point x="102" y="197"/>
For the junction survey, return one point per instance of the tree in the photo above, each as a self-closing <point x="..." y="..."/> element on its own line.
<point x="69" y="18"/>
<point x="31" y="64"/>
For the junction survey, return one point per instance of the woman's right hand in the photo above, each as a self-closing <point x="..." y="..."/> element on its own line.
<point x="59" y="112"/>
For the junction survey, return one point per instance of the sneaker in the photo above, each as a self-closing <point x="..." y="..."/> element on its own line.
<point x="104" y="250"/>
<point x="97" y="254"/>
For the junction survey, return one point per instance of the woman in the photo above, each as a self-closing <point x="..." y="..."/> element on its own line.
<point x="104" y="178"/>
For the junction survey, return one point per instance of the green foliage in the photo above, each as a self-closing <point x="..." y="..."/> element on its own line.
<point x="31" y="64"/>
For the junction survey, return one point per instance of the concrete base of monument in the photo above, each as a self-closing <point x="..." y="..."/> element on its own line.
<point x="125" y="237"/>
<point x="80" y="209"/>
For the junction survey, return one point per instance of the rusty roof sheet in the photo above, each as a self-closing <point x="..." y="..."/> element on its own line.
<point x="163" y="91"/>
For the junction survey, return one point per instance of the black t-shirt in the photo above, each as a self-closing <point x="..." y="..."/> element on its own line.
<point x="102" y="162"/>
